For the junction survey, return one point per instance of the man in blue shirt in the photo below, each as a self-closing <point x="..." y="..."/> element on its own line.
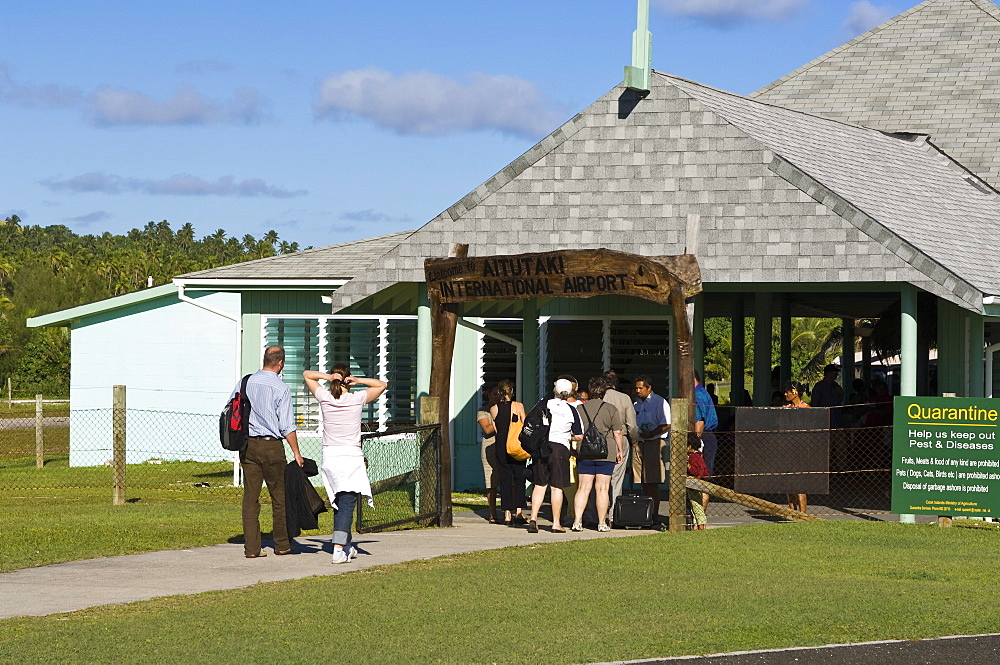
<point x="652" y="414"/>
<point x="263" y="460"/>
<point x="705" y="423"/>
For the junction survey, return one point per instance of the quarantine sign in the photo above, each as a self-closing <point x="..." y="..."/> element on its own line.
<point x="946" y="456"/>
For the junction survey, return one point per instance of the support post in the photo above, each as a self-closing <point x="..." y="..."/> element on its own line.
<point x="677" y="489"/>
<point x="529" y="353"/>
<point x="977" y="370"/>
<point x="425" y="344"/>
<point x="39" y="434"/>
<point x="10" y="395"/>
<point x="990" y="350"/>
<point x="698" y="333"/>
<point x="908" y="355"/>
<point x="738" y="362"/>
<point x="908" y="342"/>
<point x="430" y="493"/>
<point x="118" y="455"/>
<point x="846" y="355"/>
<point x="681" y="412"/>
<point x="762" y="349"/>
<point x="785" y="361"/>
<point x="444" y="323"/>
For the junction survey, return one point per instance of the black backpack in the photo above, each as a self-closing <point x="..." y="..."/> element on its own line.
<point x="234" y="423"/>
<point x="594" y="444"/>
<point x="534" y="436"/>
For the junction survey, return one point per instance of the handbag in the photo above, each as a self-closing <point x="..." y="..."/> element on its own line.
<point x="514" y="448"/>
<point x="594" y="444"/>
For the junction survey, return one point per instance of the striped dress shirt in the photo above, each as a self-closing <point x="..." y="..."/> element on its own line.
<point x="271" y="402"/>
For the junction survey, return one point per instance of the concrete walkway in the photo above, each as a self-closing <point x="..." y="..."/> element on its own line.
<point x="75" y="585"/>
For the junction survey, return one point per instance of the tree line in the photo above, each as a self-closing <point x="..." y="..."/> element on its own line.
<point x="50" y="268"/>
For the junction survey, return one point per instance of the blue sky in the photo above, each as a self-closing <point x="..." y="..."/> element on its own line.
<point x="333" y="121"/>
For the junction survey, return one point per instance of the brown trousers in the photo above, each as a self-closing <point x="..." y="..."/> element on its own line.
<point x="263" y="461"/>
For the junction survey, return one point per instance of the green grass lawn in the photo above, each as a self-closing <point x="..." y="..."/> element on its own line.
<point x="764" y="586"/>
<point x="59" y="513"/>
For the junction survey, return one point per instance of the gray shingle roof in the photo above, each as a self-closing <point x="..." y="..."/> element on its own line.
<point x="342" y="261"/>
<point x="934" y="69"/>
<point x="906" y="185"/>
<point x="783" y="197"/>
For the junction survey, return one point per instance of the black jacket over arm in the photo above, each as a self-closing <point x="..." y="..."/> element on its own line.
<point x="302" y="502"/>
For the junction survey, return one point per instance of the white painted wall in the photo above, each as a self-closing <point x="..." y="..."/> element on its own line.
<point x="178" y="363"/>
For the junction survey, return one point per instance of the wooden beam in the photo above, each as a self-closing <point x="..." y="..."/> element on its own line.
<point x="444" y="322"/>
<point x="749" y="501"/>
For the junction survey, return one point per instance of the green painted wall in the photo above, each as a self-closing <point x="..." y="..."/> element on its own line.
<point x="285" y="302"/>
<point x="467" y="465"/>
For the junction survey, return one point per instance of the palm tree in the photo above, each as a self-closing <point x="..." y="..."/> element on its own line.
<point x="185" y="236"/>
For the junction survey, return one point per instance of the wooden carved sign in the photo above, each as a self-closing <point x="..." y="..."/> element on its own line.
<point x="569" y="273"/>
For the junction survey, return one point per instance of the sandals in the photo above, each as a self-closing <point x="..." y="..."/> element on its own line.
<point x="258" y="555"/>
<point x="520" y="519"/>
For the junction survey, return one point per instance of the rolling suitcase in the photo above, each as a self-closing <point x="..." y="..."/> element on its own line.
<point x="633" y="512"/>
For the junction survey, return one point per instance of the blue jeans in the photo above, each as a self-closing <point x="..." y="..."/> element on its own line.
<point x="711" y="446"/>
<point x="343" y="516"/>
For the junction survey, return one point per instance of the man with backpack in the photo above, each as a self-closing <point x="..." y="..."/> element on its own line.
<point x="263" y="458"/>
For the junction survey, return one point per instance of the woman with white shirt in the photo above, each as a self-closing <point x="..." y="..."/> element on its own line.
<point x="564" y="428"/>
<point x="344" y="473"/>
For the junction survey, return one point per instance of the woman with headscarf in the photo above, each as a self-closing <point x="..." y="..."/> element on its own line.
<point x="344" y="472"/>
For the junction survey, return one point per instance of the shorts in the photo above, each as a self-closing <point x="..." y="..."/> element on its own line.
<point x="595" y="467"/>
<point x="553" y="471"/>
<point x="647" y="461"/>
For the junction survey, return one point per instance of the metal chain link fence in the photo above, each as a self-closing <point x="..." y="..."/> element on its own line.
<point x="173" y="455"/>
<point x="840" y="458"/>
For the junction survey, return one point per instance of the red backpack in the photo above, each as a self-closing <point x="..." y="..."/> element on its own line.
<point x="234" y="423"/>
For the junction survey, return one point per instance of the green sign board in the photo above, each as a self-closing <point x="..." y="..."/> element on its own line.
<point x="946" y="456"/>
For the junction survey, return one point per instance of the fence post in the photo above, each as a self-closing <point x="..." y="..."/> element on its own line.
<point x="39" y="436"/>
<point x="677" y="520"/>
<point x="118" y="420"/>
<point x="430" y="487"/>
<point x="10" y="395"/>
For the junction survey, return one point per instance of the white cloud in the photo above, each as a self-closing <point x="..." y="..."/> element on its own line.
<point x="725" y="12"/>
<point x="864" y="16"/>
<point x="422" y="103"/>
<point x="177" y="185"/>
<point x="109" y="106"/>
<point x="90" y="218"/>
<point x="36" y="96"/>
<point x="120" y="106"/>
<point x="369" y="215"/>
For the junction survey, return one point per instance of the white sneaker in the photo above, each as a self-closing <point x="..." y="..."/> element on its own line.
<point x="352" y="552"/>
<point x="340" y="556"/>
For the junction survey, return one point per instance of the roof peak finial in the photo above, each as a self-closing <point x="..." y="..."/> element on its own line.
<point x="637" y="76"/>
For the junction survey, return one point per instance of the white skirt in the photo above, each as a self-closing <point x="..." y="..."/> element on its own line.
<point x="344" y="471"/>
